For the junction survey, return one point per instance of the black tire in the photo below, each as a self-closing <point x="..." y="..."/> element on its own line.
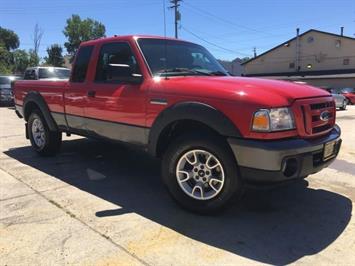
<point x="232" y="187"/>
<point x="52" y="139"/>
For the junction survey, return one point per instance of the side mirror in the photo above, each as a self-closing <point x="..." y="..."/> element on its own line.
<point x="123" y="72"/>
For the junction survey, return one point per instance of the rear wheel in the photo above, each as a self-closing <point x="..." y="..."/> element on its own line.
<point x="44" y="141"/>
<point x="201" y="173"/>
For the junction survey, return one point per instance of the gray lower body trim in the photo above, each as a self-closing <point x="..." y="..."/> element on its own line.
<point x="59" y="118"/>
<point x="269" y="155"/>
<point x="100" y="128"/>
<point x="117" y="131"/>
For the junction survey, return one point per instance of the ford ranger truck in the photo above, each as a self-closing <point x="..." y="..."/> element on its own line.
<point x="214" y="132"/>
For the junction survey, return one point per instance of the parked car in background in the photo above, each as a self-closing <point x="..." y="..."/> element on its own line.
<point x="349" y="94"/>
<point x="6" y="95"/>
<point x="47" y="73"/>
<point x="340" y="100"/>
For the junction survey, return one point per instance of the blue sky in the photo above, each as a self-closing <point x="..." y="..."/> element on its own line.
<point x="228" y="28"/>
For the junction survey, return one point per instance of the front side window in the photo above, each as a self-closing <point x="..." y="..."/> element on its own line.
<point x="116" y="63"/>
<point x="177" y="58"/>
<point x="82" y="64"/>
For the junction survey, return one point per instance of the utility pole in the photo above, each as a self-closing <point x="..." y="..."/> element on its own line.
<point x="175" y="6"/>
<point x="254" y="50"/>
<point x="298" y="50"/>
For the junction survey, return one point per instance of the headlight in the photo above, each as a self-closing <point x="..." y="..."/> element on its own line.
<point x="275" y="119"/>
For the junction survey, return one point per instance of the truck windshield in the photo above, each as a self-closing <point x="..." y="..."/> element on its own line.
<point x="178" y="58"/>
<point x="47" y="73"/>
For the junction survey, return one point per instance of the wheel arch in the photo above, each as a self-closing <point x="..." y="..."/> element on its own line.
<point x="34" y="100"/>
<point x="189" y="116"/>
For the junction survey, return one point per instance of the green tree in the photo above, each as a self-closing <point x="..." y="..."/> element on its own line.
<point x="5" y="61"/>
<point x="20" y="61"/>
<point x="33" y="59"/>
<point x="9" y="39"/>
<point x="78" y="30"/>
<point x="55" y="56"/>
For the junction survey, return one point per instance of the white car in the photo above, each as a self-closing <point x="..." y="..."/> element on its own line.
<point x="340" y="100"/>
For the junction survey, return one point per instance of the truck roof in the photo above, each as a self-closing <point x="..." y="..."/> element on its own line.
<point x="129" y="37"/>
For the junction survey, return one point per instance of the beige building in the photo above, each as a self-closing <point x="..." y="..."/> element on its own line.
<point x="319" y="58"/>
<point x="234" y="67"/>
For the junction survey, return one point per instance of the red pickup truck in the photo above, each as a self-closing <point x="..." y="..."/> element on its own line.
<point x="214" y="132"/>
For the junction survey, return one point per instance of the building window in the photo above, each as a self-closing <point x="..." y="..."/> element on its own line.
<point x="292" y="65"/>
<point x="337" y="43"/>
<point x="346" y="61"/>
<point x="310" y="39"/>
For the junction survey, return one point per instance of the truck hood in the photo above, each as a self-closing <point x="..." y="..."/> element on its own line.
<point x="261" y="91"/>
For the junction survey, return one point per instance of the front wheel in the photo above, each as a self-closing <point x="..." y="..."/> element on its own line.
<point x="201" y="173"/>
<point x="44" y="141"/>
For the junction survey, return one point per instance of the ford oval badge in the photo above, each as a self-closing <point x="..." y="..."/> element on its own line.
<point x="325" y="116"/>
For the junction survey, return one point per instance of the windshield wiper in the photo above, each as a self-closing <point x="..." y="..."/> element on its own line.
<point x="217" y="73"/>
<point x="183" y="70"/>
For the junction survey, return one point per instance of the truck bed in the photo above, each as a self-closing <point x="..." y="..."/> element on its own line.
<point x="51" y="90"/>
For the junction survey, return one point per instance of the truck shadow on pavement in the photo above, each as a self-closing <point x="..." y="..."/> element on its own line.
<point x="275" y="226"/>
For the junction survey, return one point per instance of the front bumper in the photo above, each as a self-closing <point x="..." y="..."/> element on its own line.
<point x="262" y="161"/>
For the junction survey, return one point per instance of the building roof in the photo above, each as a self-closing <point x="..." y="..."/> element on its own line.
<point x="294" y="38"/>
<point x="331" y="76"/>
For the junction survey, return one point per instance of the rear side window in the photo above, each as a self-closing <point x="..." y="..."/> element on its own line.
<point x="81" y="64"/>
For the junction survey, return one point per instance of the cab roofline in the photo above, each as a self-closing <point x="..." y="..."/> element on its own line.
<point x="129" y="37"/>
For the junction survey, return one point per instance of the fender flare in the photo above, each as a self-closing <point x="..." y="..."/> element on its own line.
<point x="36" y="98"/>
<point x="195" y="111"/>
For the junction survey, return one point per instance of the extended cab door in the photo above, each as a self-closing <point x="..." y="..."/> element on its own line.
<point x="75" y="94"/>
<point x="116" y="98"/>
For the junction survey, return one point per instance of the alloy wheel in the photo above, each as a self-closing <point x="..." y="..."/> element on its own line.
<point x="200" y="174"/>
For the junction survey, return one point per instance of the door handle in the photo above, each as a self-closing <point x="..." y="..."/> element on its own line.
<point x="91" y="93"/>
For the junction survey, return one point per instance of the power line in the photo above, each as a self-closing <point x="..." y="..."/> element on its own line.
<point x="213" y="44"/>
<point x="206" y="13"/>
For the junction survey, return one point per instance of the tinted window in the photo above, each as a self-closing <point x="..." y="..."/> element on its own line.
<point x="45" y="73"/>
<point x="4" y="80"/>
<point x="116" y="62"/>
<point x="81" y="64"/>
<point x="30" y="74"/>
